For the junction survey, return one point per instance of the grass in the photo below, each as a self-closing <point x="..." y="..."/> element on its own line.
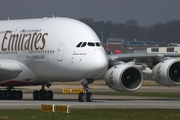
<point x="93" y="114"/>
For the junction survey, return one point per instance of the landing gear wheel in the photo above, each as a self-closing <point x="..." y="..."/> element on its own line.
<point x="19" y="94"/>
<point x="15" y="95"/>
<point x="41" y="95"/>
<point x="35" y="95"/>
<point x="4" y="94"/>
<point x="11" y="94"/>
<point x="0" y="94"/>
<point x="49" y="95"/>
<point x="81" y="97"/>
<point x="89" y="97"/>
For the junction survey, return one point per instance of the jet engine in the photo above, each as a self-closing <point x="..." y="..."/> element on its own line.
<point x="167" y="72"/>
<point x="123" y="78"/>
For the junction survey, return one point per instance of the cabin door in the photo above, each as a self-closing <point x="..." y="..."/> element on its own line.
<point x="60" y="52"/>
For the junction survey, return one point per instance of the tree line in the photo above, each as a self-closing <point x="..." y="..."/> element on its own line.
<point x="161" y="34"/>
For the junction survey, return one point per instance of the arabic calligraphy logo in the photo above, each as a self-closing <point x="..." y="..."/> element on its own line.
<point x="111" y="78"/>
<point x="159" y="72"/>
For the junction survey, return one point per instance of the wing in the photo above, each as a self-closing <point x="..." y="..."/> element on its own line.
<point x="150" y="59"/>
<point x="9" y="70"/>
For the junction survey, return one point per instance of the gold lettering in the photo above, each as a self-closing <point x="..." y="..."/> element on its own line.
<point x="37" y="39"/>
<point x="33" y="40"/>
<point x="19" y="43"/>
<point x="43" y="41"/>
<point x="27" y="43"/>
<point x="9" y="44"/>
<point x="13" y="37"/>
<point x="23" y="41"/>
<point x="4" y="38"/>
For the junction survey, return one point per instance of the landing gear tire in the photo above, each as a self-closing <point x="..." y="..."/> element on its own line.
<point x="35" y="95"/>
<point x="85" y="96"/>
<point x="19" y="94"/>
<point x="81" y="97"/>
<point x="42" y="95"/>
<point x="0" y="94"/>
<point x="49" y="95"/>
<point x="11" y="95"/>
<point x="89" y="97"/>
<point x="15" y="95"/>
<point x="3" y="95"/>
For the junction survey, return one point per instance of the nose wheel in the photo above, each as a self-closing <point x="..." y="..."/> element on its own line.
<point x="86" y="95"/>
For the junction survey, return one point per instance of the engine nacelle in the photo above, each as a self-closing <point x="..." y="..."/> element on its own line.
<point x="124" y="78"/>
<point x="167" y="72"/>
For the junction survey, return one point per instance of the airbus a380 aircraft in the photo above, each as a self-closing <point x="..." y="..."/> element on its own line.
<point x="42" y="51"/>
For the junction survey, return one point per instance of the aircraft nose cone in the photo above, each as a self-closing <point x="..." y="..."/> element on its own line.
<point x="96" y="64"/>
<point x="100" y="64"/>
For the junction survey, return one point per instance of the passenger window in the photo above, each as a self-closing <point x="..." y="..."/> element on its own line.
<point x="79" y="44"/>
<point x="97" y="44"/>
<point x="83" y="45"/>
<point x="91" y="44"/>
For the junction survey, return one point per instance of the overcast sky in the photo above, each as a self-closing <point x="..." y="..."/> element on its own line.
<point x="145" y="12"/>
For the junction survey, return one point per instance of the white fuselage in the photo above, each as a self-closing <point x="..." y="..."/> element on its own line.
<point x="47" y="50"/>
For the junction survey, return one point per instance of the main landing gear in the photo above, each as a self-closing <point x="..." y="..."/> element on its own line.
<point x="86" y="95"/>
<point x="11" y="94"/>
<point x="43" y="94"/>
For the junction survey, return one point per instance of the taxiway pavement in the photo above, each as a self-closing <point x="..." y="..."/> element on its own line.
<point x="100" y="101"/>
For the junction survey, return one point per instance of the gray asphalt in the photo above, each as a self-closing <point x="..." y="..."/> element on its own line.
<point x="100" y="101"/>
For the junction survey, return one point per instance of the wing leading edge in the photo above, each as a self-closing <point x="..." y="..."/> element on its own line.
<point x="150" y="59"/>
<point x="9" y="70"/>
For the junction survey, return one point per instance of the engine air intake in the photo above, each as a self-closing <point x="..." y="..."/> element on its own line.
<point x="174" y="72"/>
<point x="131" y="78"/>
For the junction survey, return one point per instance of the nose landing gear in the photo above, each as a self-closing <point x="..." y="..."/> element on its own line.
<point x="86" y="95"/>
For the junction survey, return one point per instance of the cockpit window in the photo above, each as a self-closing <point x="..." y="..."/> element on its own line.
<point x="83" y="45"/>
<point x="91" y="44"/>
<point x="78" y="45"/>
<point x="100" y="43"/>
<point x="97" y="44"/>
